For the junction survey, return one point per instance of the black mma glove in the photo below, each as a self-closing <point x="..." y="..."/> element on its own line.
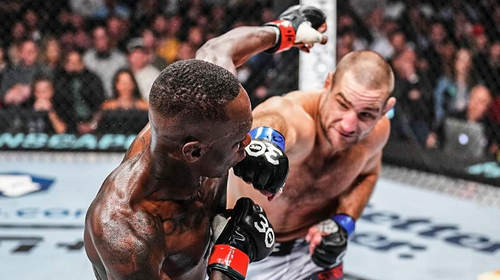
<point x="266" y="165"/>
<point x="331" y="250"/>
<point x="298" y="24"/>
<point x="247" y="237"/>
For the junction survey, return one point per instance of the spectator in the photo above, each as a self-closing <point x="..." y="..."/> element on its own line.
<point x="195" y="37"/>
<point x="16" y="83"/>
<point x="51" y="57"/>
<point x="414" y="115"/>
<point x="418" y="28"/>
<point x="144" y="73"/>
<point x="86" y="8"/>
<point x="81" y="37"/>
<point x="490" y="70"/>
<point x="381" y="43"/>
<point x="18" y="34"/>
<point x="398" y="42"/>
<point x="103" y="60"/>
<point x="32" y="24"/>
<point x="447" y="51"/>
<point x="117" y="32"/>
<point x="43" y="93"/>
<point x="79" y="94"/>
<point x="186" y="51"/>
<point x="170" y="44"/>
<point x="437" y="36"/>
<point x="477" y="107"/>
<point x="111" y="7"/>
<point x="150" y="43"/>
<point x="144" y="12"/>
<point x="452" y="92"/>
<point x="126" y="95"/>
<point x="345" y="42"/>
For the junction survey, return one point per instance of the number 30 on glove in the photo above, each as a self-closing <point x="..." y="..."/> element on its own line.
<point x="266" y="165"/>
<point x="247" y="237"/>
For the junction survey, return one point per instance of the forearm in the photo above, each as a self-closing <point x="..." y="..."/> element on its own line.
<point x="236" y="46"/>
<point x="271" y="119"/>
<point x="58" y="125"/>
<point x="355" y="199"/>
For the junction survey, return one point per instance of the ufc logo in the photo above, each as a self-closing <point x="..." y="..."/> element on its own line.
<point x="257" y="148"/>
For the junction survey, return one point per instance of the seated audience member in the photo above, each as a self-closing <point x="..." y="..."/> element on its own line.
<point x="52" y="55"/>
<point x="451" y="93"/>
<point x="413" y="111"/>
<point x="104" y="60"/>
<point x="43" y="101"/>
<point x="126" y="112"/>
<point x="150" y="43"/>
<point x="477" y="106"/>
<point x="144" y="73"/>
<point x="16" y="90"/>
<point x="126" y="94"/>
<point x="79" y="94"/>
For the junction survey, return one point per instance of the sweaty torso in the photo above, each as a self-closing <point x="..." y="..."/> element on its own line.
<point x="179" y="229"/>
<point x="313" y="185"/>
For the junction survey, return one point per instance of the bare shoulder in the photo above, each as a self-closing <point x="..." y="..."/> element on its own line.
<point x="297" y="111"/>
<point x="142" y="104"/>
<point x="109" y="104"/>
<point x="127" y="241"/>
<point x="140" y="142"/>
<point x="294" y="105"/>
<point x="377" y="139"/>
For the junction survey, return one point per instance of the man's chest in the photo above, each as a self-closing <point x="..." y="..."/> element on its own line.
<point x="319" y="178"/>
<point x="188" y="233"/>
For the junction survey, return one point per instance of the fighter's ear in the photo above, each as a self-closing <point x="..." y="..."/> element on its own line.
<point x="193" y="151"/>
<point x="388" y="105"/>
<point x="329" y="81"/>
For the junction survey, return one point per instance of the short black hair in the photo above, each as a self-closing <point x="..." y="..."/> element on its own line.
<point x="194" y="90"/>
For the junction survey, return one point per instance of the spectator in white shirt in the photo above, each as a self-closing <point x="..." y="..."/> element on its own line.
<point x="103" y="60"/>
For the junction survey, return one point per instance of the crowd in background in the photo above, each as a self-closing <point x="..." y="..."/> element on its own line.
<point x="76" y="59"/>
<point x="446" y="60"/>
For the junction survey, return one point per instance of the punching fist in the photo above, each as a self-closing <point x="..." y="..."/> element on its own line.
<point x="329" y="240"/>
<point x="299" y="26"/>
<point x="247" y="237"/>
<point x="266" y="165"/>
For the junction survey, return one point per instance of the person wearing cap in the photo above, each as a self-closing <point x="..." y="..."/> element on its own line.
<point x="144" y="73"/>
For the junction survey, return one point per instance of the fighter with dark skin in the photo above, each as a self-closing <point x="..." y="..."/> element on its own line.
<point x="152" y="216"/>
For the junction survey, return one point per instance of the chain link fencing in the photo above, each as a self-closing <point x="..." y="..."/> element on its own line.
<point x="75" y="74"/>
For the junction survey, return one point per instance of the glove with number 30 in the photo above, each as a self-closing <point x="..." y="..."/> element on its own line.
<point x="247" y="237"/>
<point x="266" y="165"/>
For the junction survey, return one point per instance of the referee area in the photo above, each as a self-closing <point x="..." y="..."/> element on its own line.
<point x="435" y="211"/>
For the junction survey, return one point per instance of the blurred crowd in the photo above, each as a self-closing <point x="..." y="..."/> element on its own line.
<point x="64" y="65"/>
<point x="446" y="60"/>
<point x="75" y="60"/>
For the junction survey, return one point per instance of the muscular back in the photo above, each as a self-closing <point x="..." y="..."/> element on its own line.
<point x="130" y="236"/>
<point x="317" y="178"/>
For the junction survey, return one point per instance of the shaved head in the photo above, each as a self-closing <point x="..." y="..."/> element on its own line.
<point x="368" y="68"/>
